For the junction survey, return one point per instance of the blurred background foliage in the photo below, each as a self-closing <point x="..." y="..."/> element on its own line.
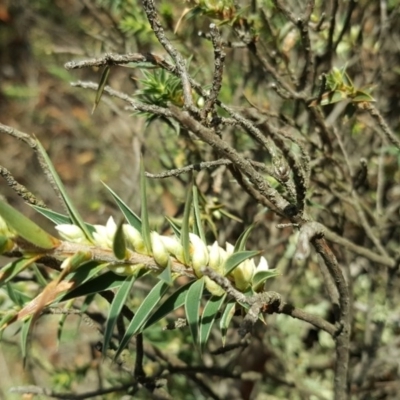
<point x="293" y="359"/>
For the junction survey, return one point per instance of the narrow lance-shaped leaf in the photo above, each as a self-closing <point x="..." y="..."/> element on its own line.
<point x="237" y="258"/>
<point x="226" y="319"/>
<point x="57" y="218"/>
<point x="142" y="314"/>
<point x="17" y="297"/>
<point x="174" y="227"/>
<point x="197" y="214"/>
<point x="102" y="85"/>
<point x="27" y="229"/>
<point x="84" y="286"/>
<point x="207" y="319"/>
<point x="115" y="310"/>
<point x="62" y="319"/>
<point x="192" y="308"/>
<point x="144" y="210"/>
<point x="25" y="330"/>
<point x="172" y="303"/>
<point x="185" y="241"/>
<point x="260" y="277"/>
<point x="130" y="216"/>
<point x="73" y="213"/>
<point x="14" y="268"/>
<point x="240" y="245"/>
<point x="166" y="274"/>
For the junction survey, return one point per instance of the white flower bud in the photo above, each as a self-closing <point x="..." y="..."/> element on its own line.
<point x="243" y="274"/>
<point x="229" y="248"/>
<point x="217" y="257"/>
<point x="160" y="253"/>
<point x="213" y="287"/>
<point x="125" y="269"/>
<point x="199" y="253"/>
<point x="173" y="246"/>
<point x="104" y="235"/>
<point x="262" y="265"/>
<point x="134" y="237"/>
<point x="71" y="233"/>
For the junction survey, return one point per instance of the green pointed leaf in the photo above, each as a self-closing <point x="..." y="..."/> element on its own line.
<point x="260" y="277"/>
<point x="17" y="297"/>
<point x="115" y="310"/>
<point x="5" y="320"/>
<point x="174" y="227"/>
<point x="27" y="229"/>
<point x="166" y="274"/>
<point x="185" y="241"/>
<point x="207" y="319"/>
<point x="87" y="286"/>
<point x="142" y="314"/>
<point x="362" y="96"/>
<point x="197" y="214"/>
<point x="14" y="268"/>
<point x="73" y="213"/>
<point x="57" y="218"/>
<point x="333" y="97"/>
<point x="119" y="243"/>
<point x="102" y="85"/>
<point x="39" y="276"/>
<point x="25" y="330"/>
<point x="225" y="320"/>
<point x="144" y="209"/>
<point x="192" y="308"/>
<point x="130" y="216"/>
<point x="62" y="319"/>
<point x="237" y="258"/>
<point x="173" y="302"/>
<point x="241" y="242"/>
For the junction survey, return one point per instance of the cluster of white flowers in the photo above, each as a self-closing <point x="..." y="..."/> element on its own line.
<point x="164" y="247"/>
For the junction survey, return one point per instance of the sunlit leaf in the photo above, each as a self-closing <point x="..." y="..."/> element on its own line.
<point x="260" y="277"/>
<point x="174" y="227"/>
<point x="62" y="319"/>
<point x="192" y="308"/>
<point x="197" y="214"/>
<point x="17" y="297"/>
<point x="144" y="209"/>
<point x="130" y="216"/>
<point x="86" y="286"/>
<point x="237" y="258"/>
<point x="225" y="320"/>
<point x="362" y="96"/>
<point x="185" y="241"/>
<point x="207" y="319"/>
<point x="27" y="229"/>
<point x="39" y="276"/>
<point x="14" y="268"/>
<point x="25" y="330"/>
<point x="115" y="310"/>
<point x="166" y="274"/>
<point x="240" y="245"/>
<point x="333" y="97"/>
<point x="73" y="213"/>
<point x="102" y="85"/>
<point x="57" y="218"/>
<point x="173" y="302"/>
<point x="142" y="314"/>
